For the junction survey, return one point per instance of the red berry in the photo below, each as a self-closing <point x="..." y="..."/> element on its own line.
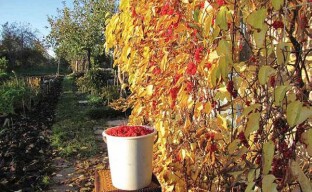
<point x="208" y="65"/>
<point x="248" y="103"/>
<point x="272" y="81"/>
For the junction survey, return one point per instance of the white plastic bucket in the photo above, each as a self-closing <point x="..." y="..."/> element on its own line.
<point x="130" y="160"/>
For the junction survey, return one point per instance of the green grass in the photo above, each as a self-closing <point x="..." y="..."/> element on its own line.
<point x="73" y="130"/>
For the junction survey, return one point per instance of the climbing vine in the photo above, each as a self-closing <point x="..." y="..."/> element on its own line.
<point x="226" y="83"/>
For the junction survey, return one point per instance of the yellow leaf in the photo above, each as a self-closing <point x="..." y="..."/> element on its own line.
<point x="268" y="154"/>
<point x="149" y="90"/>
<point x="107" y="14"/>
<point x="300" y="176"/>
<point x="221" y="18"/>
<point x="193" y="146"/>
<point x="252" y="124"/>
<point x="233" y="146"/>
<point x="207" y="108"/>
<point x="306" y="138"/>
<point x="293" y="113"/>
<point x="277" y="4"/>
<point x="256" y="18"/>
<point x="163" y="64"/>
<point x="260" y="36"/>
<point x="264" y="73"/>
<point x="279" y="94"/>
<point x="200" y="131"/>
<point x="222" y="122"/>
<point x="124" y="4"/>
<point x="267" y="184"/>
<point x="183" y="153"/>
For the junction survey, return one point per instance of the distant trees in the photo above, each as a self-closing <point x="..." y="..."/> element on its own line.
<point x="20" y="45"/>
<point x="78" y="33"/>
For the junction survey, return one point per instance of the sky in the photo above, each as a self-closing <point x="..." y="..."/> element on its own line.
<point x="34" y="12"/>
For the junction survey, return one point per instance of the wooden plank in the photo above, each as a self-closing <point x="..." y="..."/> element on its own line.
<point x="103" y="183"/>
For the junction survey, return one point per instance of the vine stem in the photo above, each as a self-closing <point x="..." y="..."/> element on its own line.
<point x="232" y="68"/>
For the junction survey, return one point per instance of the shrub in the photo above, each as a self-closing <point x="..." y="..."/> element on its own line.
<point x="226" y="84"/>
<point x="3" y="65"/>
<point x="15" y="94"/>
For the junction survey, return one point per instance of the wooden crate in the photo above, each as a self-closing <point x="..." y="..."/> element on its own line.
<point x="103" y="183"/>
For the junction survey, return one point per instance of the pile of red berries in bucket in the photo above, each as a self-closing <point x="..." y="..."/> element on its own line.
<point x="129" y="131"/>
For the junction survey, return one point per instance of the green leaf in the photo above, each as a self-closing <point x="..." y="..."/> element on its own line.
<point x="221" y="18"/>
<point x="233" y="146"/>
<point x="268" y="154"/>
<point x="301" y="177"/>
<point x="260" y="36"/>
<point x="251" y="108"/>
<point x="249" y="187"/>
<point x="279" y="94"/>
<point x="252" y="124"/>
<point x="267" y="184"/>
<point x="253" y="174"/>
<point x="224" y="67"/>
<point x="306" y="112"/>
<point x="195" y="15"/>
<point x="214" y="75"/>
<point x="224" y="48"/>
<point x="256" y="18"/>
<point x="293" y="113"/>
<point x="264" y="73"/>
<point x="306" y="138"/>
<point x="277" y="4"/>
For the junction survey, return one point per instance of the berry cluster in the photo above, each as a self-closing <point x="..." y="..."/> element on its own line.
<point x="242" y="138"/>
<point x="128" y="131"/>
<point x="280" y="127"/>
<point x="278" y="24"/>
<point x="191" y="68"/>
<point x="272" y="81"/>
<point x="279" y="167"/>
<point x="230" y="89"/>
<point x="166" y="10"/>
<point x="288" y="152"/>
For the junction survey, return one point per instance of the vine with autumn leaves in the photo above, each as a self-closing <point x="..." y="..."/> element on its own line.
<point x="226" y="83"/>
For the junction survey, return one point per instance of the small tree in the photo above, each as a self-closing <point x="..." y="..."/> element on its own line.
<point x="226" y="120"/>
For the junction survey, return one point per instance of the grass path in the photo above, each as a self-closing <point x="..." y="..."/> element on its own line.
<point x="77" y="151"/>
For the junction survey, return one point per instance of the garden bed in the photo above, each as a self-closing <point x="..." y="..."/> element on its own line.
<point x="25" y="149"/>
